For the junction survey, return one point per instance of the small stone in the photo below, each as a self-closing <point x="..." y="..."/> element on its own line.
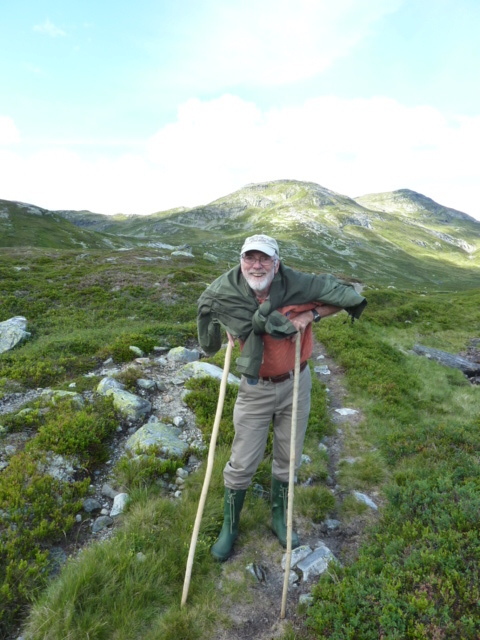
<point x="361" y="497"/>
<point x="332" y="524"/>
<point x="323" y="370"/>
<point x="258" y="571"/>
<point x="119" y="504"/>
<point x="316" y="563"/>
<point x="136" y="350"/>
<point x="159" y="349"/>
<point x="101" y="523"/>
<point x="297" y="556"/>
<point x="91" y="505"/>
<point x="293" y="577"/>
<point x="147" y="385"/>
<point x="108" y="491"/>
<point x="346" y="412"/>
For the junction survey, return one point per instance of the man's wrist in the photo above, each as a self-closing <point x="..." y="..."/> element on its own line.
<point x="316" y="316"/>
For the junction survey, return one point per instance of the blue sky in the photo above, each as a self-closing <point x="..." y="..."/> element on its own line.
<point x="141" y="106"/>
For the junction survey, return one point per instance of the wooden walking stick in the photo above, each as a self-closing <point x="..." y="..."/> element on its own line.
<point x="291" y="476"/>
<point x="208" y="473"/>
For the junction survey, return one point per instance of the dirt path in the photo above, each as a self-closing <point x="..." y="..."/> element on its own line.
<point x="255" y="615"/>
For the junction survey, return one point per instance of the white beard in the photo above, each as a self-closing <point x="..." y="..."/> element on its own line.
<point x="259" y="284"/>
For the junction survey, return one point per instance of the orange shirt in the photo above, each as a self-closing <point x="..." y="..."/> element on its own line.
<point x="279" y="355"/>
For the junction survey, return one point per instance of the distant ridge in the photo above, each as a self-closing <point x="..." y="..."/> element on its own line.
<point x="399" y="238"/>
<point x="408" y="201"/>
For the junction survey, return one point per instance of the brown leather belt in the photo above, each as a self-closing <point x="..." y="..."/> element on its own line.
<point x="284" y="376"/>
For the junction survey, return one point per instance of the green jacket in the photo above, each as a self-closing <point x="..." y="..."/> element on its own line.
<point x="230" y="303"/>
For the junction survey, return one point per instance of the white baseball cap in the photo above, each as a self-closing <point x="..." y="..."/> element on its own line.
<point x="262" y="243"/>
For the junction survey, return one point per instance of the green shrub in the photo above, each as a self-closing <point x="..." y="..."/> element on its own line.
<point x="203" y="400"/>
<point x="129" y="377"/>
<point x="34" y="508"/>
<point x="416" y="576"/>
<point x="81" y="433"/>
<point x="314" y="503"/>
<point x="135" y="473"/>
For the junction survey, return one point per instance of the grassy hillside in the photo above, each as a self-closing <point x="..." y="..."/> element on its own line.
<point x="91" y="285"/>
<point x="416" y="575"/>
<point x="24" y="225"/>
<point x="401" y="239"/>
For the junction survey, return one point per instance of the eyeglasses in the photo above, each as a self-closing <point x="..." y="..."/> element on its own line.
<point x="264" y="260"/>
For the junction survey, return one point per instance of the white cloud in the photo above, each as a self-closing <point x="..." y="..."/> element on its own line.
<point x="49" y="29"/>
<point x="214" y="147"/>
<point x="276" y="42"/>
<point x="350" y="146"/>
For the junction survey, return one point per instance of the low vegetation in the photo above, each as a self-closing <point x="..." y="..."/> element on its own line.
<point x="415" y="575"/>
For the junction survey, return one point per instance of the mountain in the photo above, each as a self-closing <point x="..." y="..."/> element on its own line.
<point x="24" y="224"/>
<point x="401" y="238"/>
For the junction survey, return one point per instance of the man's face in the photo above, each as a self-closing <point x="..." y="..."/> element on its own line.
<point x="259" y="270"/>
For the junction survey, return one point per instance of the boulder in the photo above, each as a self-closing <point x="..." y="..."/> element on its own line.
<point x="181" y="354"/>
<point x="108" y="383"/>
<point x="157" y="434"/>
<point x="316" y="562"/>
<point x="204" y="369"/>
<point x="60" y="394"/>
<point x="128" y="404"/>
<point x="12" y="332"/>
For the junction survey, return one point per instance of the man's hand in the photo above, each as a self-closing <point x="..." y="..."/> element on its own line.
<point x="301" y="321"/>
<point x="231" y="339"/>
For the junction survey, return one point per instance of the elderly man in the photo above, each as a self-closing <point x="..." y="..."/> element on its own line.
<point x="264" y="304"/>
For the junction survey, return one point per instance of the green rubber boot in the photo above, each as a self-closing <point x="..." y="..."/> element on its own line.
<point x="279" y="513"/>
<point x="232" y="506"/>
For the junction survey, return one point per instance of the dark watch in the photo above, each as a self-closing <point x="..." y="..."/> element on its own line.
<point x="316" y="316"/>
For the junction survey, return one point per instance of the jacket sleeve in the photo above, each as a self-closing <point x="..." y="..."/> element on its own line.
<point x="209" y="333"/>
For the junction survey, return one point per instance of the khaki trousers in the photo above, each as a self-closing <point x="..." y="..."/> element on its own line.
<point x="256" y="407"/>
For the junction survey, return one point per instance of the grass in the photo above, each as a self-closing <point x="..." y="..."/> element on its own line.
<point x="37" y="509"/>
<point x="81" y="311"/>
<point x="416" y="574"/>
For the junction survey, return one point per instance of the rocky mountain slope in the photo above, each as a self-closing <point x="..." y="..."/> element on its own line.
<point x="401" y="238"/>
